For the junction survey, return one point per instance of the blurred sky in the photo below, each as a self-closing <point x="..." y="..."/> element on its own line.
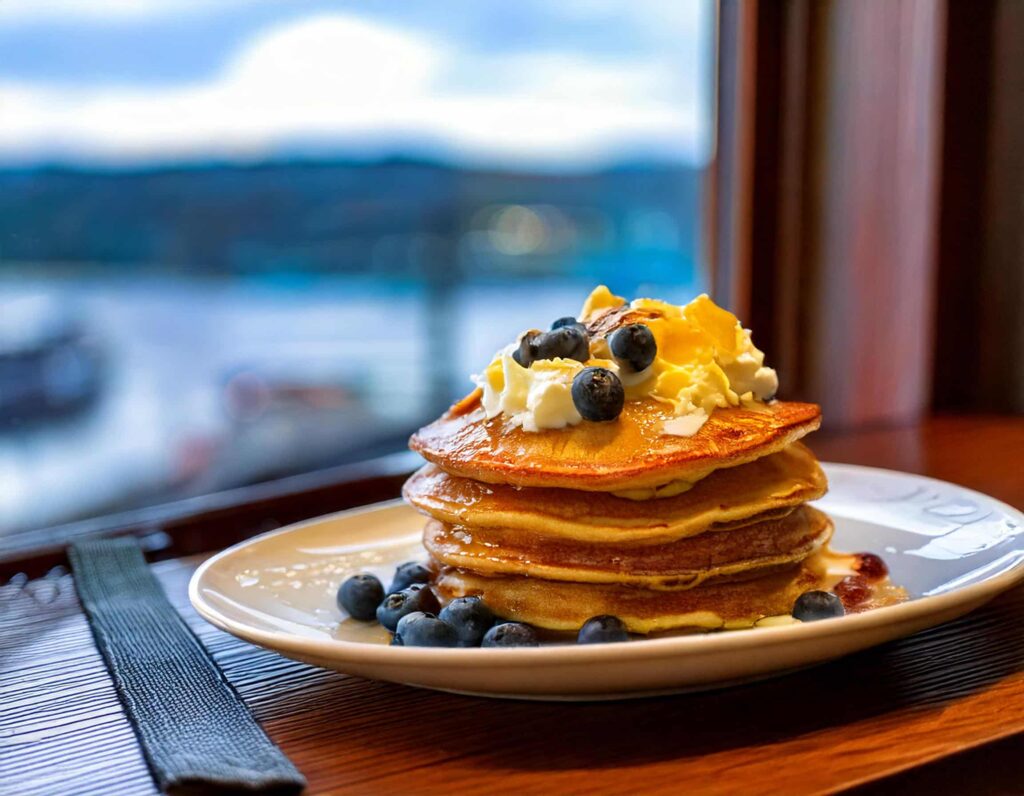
<point x="522" y="83"/>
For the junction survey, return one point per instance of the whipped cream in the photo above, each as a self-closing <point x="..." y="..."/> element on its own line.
<point x="534" y="398"/>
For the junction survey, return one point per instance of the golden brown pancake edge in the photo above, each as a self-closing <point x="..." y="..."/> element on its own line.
<point x="560" y="605"/>
<point x="726" y="498"/>
<point x="627" y="453"/>
<point x="761" y="546"/>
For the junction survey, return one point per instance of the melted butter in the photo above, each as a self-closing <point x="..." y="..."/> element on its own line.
<point x="670" y="489"/>
<point x="706" y="360"/>
<point x="777" y="621"/>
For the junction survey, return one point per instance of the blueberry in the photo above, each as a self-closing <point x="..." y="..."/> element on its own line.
<point x="360" y="595"/>
<point x="814" y="605"/>
<point x="602" y="629"/>
<point x="567" y="342"/>
<point x="569" y="321"/>
<point x="470" y="618"/>
<point x="407" y="574"/>
<point x="510" y="634"/>
<point x="417" y="597"/>
<point x="634" y="345"/>
<point x="423" y="629"/>
<point x="527" y="351"/>
<point x="597" y="394"/>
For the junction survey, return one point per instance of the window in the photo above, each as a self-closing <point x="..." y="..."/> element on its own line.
<point x="241" y="240"/>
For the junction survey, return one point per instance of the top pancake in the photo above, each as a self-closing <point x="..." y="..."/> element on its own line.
<point x="630" y="453"/>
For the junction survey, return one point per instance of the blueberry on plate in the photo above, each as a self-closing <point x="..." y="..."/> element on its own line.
<point x="470" y="618"/>
<point x="407" y="574"/>
<point x="633" y="345"/>
<point x="601" y="630"/>
<point x="417" y="597"/>
<point x="360" y="595"/>
<point x="814" y="605"/>
<point x="510" y="634"/>
<point x="423" y="629"/>
<point x="566" y="342"/>
<point x="597" y="394"/>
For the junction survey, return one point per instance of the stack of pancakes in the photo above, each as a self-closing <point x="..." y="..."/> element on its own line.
<point x="554" y="527"/>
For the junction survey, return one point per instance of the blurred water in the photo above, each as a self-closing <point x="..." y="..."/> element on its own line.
<point x="162" y="428"/>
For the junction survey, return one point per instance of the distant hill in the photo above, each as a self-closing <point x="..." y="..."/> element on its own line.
<point x="349" y="217"/>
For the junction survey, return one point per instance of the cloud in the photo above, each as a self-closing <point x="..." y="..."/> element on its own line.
<point x="362" y="86"/>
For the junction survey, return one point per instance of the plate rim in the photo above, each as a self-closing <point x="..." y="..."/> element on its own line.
<point x="574" y="654"/>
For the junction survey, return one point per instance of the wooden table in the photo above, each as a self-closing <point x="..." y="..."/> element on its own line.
<point x="942" y="711"/>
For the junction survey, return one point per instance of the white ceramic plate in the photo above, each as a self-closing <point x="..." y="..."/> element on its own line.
<point x="952" y="548"/>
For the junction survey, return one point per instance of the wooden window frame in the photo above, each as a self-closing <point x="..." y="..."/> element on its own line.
<point x="829" y="160"/>
<point x="210" y="522"/>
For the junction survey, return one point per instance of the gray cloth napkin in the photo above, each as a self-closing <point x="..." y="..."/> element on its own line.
<point x="195" y="731"/>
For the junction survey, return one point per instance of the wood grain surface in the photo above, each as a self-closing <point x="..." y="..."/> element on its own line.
<point x="888" y="710"/>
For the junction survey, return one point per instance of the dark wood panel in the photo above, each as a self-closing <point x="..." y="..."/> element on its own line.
<point x="979" y="334"/>
<point x="968" y="72"/>
<point x="1002" y="265"/>
<point x="993" y="770"/>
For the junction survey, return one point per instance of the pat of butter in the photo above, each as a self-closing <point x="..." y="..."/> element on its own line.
<point x="685" y="425"/>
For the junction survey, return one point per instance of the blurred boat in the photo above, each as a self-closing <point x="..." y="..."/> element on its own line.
<point x="283" y="417"/>
<point x="50" y="363"/>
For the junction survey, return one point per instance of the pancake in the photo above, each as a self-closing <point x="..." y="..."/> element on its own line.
<point x="685" y="564"/>
<point x="631" y="453"/>
<point x="557" y="605"/>
<point x="773" y="484"/>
